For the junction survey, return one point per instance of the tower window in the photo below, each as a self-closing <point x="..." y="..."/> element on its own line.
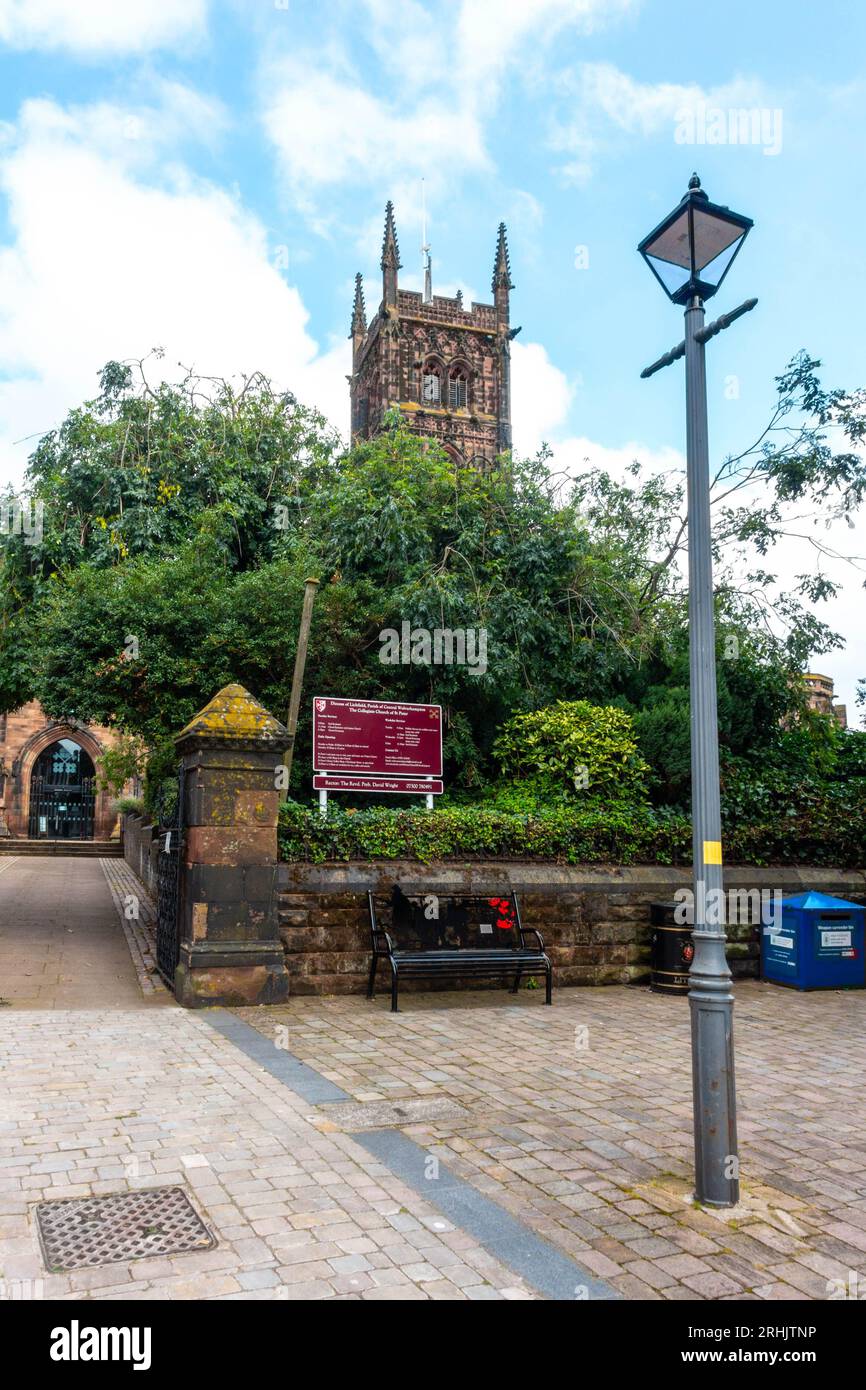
<point x="457" y="389"/>
<point x="431" y="384"/>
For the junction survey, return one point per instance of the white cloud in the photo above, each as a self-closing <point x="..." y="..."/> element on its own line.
<point x="491" y="33"/>
<point x="409" y="40"/>
<point x="99" y="27"/>
<point x="540" y="397"/>
<point x="443" y="69"/>
<point x="133" y="134"/>
<point x="328" y="130"/>
<point x="604" y="104"/>
<point x="111" y="256"/>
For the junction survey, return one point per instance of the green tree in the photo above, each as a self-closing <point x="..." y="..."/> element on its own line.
<point x="181" y="521"/>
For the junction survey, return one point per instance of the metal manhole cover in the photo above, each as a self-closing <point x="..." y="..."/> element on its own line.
<point x="86" y="1231"/>
<point x="392" y="1114"/>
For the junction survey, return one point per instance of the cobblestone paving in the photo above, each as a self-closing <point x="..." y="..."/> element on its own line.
<point x="577" y="1119"/>
<point x="136" y="911"/>
<point x="94" y="1103"/>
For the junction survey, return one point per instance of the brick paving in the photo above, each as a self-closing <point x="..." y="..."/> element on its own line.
<point x="577" y="1119"/>
<point x="574" y="1120"/>
<point x="62" y="943"/>
<point x="96" y="1103"/>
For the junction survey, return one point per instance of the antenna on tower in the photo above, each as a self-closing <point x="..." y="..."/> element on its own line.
<point x="425" y="250"/>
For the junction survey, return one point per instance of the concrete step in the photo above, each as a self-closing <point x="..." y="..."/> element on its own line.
<point x="87" y="849"/>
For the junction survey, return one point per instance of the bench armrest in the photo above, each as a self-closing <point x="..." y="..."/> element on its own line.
<point x="382" y="943"/>
<point x="530" y="931"/>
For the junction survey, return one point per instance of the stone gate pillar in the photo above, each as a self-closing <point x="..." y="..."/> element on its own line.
<point x="230" y="952"/>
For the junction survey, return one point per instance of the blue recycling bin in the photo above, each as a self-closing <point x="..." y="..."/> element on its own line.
<point x="818" y="944"/>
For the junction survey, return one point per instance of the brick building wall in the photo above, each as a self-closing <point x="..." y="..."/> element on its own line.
<point x="24" y="734"/>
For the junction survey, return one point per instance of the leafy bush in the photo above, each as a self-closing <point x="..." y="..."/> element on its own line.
<point x="567" y="834"/>
<point x="827" y="830"/>
<point x="663" y="730"/>
<point x="573" y="745"/>
<point x="129" y="806"/>
<point x="804" y="802"/>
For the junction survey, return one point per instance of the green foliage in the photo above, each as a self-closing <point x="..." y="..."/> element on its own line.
<point x="663" y="729"/>
<point x="130" y="805"/>
<point x="804" y="797"/>
<point x="570" y="834"/>
<point x="134" y="477"/>
<point x="819" y="833"/>
<point x="126" y="759"/>
<point x="756" y="690"/>
<point x="187" y="517"/>
<point x="574" y="745"/>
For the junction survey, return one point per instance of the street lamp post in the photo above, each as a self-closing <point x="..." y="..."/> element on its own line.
<point x="690" y="253"/>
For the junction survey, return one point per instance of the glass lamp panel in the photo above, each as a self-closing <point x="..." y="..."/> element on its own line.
<point x="672" y="243"/>
<point x="715" y="271"/>
<point x="673" y="277"/>
<point x="713" y="235"/>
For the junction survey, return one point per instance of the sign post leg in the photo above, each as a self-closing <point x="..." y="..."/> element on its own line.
<point x="323" y="804"/>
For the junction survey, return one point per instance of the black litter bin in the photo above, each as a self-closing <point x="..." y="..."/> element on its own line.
<point x="672" y="950"/>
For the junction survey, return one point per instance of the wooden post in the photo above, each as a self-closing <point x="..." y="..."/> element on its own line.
<point x="310" y="587"/>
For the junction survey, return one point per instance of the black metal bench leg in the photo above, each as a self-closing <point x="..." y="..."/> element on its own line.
<point x="394" y="1008"/>
<point x="549" y="995"/>
<point x="371" y="986"/>
<point x="516" y="986"/>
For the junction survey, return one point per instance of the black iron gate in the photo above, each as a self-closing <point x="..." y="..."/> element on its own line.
<point x="168" y="878"/>
<point x="61" y="811"/>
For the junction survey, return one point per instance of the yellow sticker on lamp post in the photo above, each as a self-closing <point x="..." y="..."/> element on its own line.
<point x="712" y="851"/>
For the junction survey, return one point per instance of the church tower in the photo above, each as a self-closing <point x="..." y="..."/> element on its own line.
<point x="444" y="367"/>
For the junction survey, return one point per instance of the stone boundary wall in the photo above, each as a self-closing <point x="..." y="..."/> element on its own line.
<point x="594" y="919"/>
<point x="141" y="848"/>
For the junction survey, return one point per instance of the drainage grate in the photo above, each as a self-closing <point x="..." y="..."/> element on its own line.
<point x="87" y="1231"/>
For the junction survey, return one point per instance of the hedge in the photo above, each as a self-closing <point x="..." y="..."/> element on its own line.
<point x="563" y="834"/>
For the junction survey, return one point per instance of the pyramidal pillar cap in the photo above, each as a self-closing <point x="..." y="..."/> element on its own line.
<point x="233" y="718"/>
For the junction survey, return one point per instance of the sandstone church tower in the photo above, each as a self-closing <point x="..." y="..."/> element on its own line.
<point x="445" y="367"/>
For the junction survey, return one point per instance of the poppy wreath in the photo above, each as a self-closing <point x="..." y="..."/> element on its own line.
<point x="505" y="912"/>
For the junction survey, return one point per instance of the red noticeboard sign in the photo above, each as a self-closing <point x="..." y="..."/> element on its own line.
<point x="400" y="786"/>
<point x="381" y="738"/>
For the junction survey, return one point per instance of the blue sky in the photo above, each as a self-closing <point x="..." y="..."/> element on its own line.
<point x="209" y="176"/>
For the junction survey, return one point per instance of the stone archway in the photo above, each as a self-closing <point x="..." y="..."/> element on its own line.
<point x="18" y="812"/>
<point x="62" y="793"/>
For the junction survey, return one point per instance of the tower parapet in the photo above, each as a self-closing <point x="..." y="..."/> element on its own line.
<point x="444" y="366"/>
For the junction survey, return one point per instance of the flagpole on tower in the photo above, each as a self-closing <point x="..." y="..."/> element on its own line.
<point x="425" y="250"/>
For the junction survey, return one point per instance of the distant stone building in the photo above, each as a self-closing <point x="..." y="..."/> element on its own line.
<point x="446" y="368"/>
<point x="820" y="697"/>
<point x="48" y="787"/>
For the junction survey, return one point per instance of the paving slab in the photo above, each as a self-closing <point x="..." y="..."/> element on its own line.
<point x="62" y="942"/>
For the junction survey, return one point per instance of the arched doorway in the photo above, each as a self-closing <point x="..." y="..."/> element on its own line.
<point x="62" y="793"/>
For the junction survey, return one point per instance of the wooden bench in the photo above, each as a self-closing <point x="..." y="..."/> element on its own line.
<point x="442" y="936"/>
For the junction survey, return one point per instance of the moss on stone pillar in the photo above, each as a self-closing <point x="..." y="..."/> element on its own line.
<point x="230" y="950"/>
